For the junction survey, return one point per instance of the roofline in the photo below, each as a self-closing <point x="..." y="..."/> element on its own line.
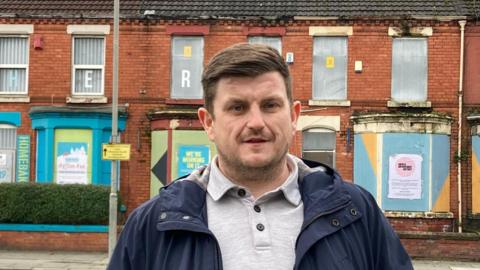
<point x="435" y="18"/>
<point x="241" y="18"/>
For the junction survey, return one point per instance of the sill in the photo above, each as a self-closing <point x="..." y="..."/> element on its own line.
<point x="14" y="99"/>
<point x="87" y="99"/>
<point x="407" y="214"/>
<point x="415" y="104"/>
<point x="332" y="103"/>
<point x="177" y="101"/>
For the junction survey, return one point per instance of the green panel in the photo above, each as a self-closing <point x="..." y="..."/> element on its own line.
<point x="74" y="136"/>
<point x="188" y="137"/>
<point x="159" y="148"/>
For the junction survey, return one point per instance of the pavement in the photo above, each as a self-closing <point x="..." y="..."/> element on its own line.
<point x="55" y="260"/>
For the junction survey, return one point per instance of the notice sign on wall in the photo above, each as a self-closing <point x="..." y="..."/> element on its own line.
<point x="405" y="176"/>
<point x="72" y="161"/>
<point x="191" y="157"/>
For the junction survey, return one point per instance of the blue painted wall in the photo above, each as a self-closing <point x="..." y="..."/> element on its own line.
<point x="406" y="143"/>
<point x="11" y="118"/>
<point x="440" y="163"/>
<point x="363" y="172"/>
<point x="46" y="122"/>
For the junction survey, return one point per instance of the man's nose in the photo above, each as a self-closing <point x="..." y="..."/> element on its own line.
<point x="255" y="119"/>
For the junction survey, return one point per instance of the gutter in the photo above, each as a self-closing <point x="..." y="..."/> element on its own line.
<point x="460" y="119"/>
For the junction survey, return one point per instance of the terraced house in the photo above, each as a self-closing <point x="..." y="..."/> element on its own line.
<point x="390" y="94"/>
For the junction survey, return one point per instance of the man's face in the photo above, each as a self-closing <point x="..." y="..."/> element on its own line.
<point x="253" y="122"/>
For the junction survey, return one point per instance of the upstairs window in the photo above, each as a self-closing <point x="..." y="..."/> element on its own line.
<point x="274" y="42"/>
<point x="88" y="65"/>
<point x="319" y="145"/>
<point x="187" y="67"/>
<point x="13" y="64"/>
<point x="409" y="69"/>
<point x="330" y="68"/>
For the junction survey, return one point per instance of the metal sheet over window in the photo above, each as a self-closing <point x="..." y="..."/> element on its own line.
<point x="274" y="42"/>
<point x="409" y="69"/>
<point x="13" y="64"/>
<point x="187" y="67"/>
<point x="330" y="68"/>
<point x="8" y="137"/>
<point x="88" y="62"/>
<point x="319" y="145"/>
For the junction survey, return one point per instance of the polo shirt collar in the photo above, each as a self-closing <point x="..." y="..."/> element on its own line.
<point x="219" y="184"/>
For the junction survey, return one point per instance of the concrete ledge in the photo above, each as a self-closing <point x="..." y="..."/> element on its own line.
<point x="53" y="228"/>
<point x="329" y="103"/>
<point x="396" y="104"/>
<point x="87" y="99"/>
<point x="402" y="214"/>
<point x="15" y="99"/>
<point x="439" y="235"/>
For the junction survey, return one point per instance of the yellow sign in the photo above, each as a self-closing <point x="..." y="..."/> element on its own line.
<point x="116" y="151"/>
<point x="330" y="62"/>
<point x="187" y="51"/>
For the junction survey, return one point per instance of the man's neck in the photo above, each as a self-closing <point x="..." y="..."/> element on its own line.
<point x="257" y="181"/>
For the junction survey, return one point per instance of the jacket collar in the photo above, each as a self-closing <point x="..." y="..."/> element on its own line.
<point x="184" y="200"/>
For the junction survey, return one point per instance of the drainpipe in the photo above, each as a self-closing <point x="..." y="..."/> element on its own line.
<point x="460" y="118"/>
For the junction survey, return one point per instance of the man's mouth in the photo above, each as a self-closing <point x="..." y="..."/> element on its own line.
<point x="255" y="140"/>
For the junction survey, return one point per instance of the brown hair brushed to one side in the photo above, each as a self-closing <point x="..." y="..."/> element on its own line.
<point x="242" y="60"/>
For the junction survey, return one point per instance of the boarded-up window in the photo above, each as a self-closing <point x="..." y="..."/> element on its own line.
<point x="8" y="144"/>
<point x="330" y="68"/>
<point x="274" y="42"/>
<point x="409" y="69"/>
<point x="88" y="65"/>
<point x="187" y="67"/>
<point x="13" y="64"/>
<point x="319" y="145"/>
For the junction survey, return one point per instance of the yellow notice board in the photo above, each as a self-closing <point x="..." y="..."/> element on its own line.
<point x="330" y="62"/>
<point x="116" y="151"/>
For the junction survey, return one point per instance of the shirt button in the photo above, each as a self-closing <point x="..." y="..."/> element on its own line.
<point x="257" y="208"/>
<point x="260" y="227"/>
<point x="241" y="192"/>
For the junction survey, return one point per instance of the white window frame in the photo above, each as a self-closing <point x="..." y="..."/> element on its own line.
<point x="101" y="67"/>
<point x="425" y="90"/>
<point x="174" y="94"/>
<point x="279" y="38"/>
<point x="323" y="130"/>
<point x="18" y="66"/>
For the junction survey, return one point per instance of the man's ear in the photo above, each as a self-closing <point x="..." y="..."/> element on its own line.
<point x="207" y="122"/>
<point x="295" y="114"/>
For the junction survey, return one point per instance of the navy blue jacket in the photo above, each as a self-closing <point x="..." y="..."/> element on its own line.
<point x="343" y="229"/>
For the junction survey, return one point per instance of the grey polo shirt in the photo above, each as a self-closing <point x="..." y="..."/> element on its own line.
<point x="255" y="233"/>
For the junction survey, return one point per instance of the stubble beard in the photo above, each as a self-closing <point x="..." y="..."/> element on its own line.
<point x="240" y="171"/>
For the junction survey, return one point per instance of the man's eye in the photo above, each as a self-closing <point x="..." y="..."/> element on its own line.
<point x="237" y="108"/>
<point x="271" y="105"/>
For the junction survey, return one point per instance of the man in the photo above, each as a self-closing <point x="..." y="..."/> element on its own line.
<point x="255" y="206"/>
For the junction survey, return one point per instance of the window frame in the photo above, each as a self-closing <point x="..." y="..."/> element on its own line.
<point x="86" y="67"/>
<point x="18" y="66"/>
<point x="266" y="37"/>
<point x="324" y="130"/>
<point x="316" y="73"/>
<point x="392" y="85"/>
<point x="173" y="96"/>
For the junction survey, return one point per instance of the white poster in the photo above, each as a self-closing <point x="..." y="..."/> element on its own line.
<point x="405" y="176"/>
<point x="72" y="161"/>
<point x="3" y="159"/>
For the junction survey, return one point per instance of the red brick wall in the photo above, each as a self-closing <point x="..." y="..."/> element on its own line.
<point x="442" y="246"/>
<point x="144" y="84"/>
<point x="54" y="241"/>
